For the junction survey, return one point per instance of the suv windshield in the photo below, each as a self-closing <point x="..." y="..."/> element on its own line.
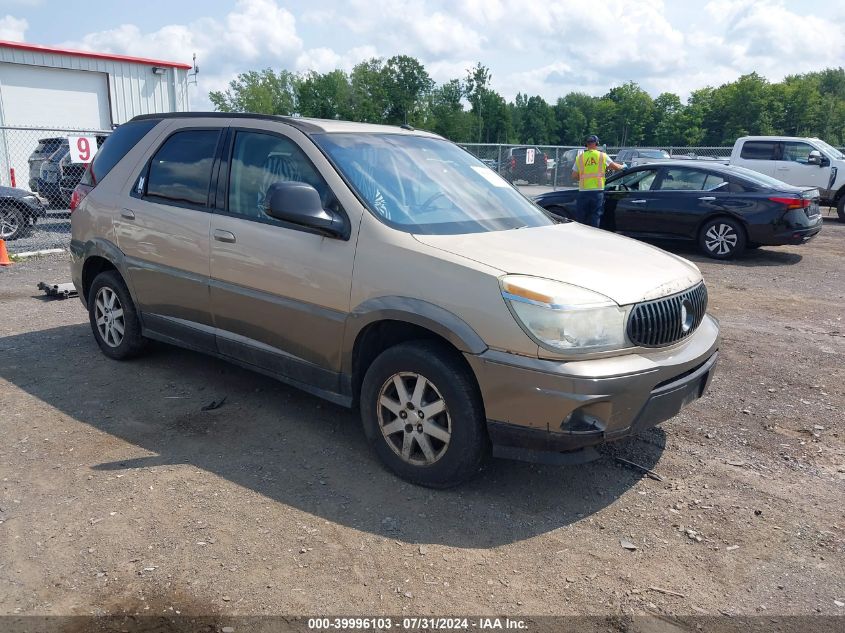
<point x="654" y="153"/>
<point x="427" y="185"/>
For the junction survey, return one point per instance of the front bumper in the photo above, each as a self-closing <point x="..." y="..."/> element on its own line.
<point x="544" y="405"/>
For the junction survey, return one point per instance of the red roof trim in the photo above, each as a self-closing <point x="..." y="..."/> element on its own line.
<point x="108" y="56"/>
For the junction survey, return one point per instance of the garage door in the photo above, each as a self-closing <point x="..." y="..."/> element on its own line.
<point x="54" y="97"/>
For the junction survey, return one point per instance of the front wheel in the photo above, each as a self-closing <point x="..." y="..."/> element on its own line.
<point x="840" y="208"/>
<point x="721" y="238"/>
<point x="13" y="224"/>
<point x="422" y="413"/>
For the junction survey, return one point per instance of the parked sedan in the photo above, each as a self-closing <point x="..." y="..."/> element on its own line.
<point x="19" y="210"/>
<point x="724" y="208"/>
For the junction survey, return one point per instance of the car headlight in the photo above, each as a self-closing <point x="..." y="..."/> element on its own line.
<point x="565" y="317"/>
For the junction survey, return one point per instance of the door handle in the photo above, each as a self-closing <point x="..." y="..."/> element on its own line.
<point x="127" y="214"/>
<point x="707" y="198"/>
<point x="224" y="236"/>
<point x="638" y="201"/>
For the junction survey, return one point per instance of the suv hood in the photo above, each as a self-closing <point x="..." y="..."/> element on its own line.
<point x="623" y="269"/>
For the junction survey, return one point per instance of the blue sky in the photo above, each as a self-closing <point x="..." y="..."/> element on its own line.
<point x="537" y="47"/>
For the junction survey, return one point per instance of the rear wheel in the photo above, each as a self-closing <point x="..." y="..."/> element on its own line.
<point x="423" y="415"/>
<point x="114" y="319"/>
<point x="721" y="238"/>
<point x="13" y="224"/>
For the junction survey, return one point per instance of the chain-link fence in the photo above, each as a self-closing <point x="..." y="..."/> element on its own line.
<point x="42" y="166"/>
<point x="39" y="169"/>
<point x="551" y="165"/>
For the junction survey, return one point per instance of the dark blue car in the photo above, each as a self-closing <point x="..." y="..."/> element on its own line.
<point x="724" y="208"/>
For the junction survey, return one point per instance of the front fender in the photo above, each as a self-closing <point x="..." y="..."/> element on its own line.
<point x="409" y="310"/>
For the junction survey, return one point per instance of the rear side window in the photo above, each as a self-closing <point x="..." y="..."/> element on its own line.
<point x="115" y="147"/>
<point x="48" y="145"/>
<point x="760" y="150"/>
<point x="180" y="171"/>
<point x="683" y="180"/>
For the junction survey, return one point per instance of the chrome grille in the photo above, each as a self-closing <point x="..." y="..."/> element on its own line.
<point x="661" y="322"/>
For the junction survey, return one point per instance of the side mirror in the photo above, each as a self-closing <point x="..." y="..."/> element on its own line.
<point x="299" y="203"/>
<point x="814" y="157"/>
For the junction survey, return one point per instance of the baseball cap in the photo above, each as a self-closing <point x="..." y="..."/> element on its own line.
<point x="592" y="138"/>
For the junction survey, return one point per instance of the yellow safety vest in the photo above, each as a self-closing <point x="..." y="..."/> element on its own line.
<point x="591" y="168"/>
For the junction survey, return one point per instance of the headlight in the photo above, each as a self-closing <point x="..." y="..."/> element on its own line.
<point x="564" y="317"/>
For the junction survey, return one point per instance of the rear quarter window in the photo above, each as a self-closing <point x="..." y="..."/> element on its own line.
<point x="759" y="150"/>
<point x="115" y="147"/>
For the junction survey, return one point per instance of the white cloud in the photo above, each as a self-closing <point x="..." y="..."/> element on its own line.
<point x="413" y="28"/>
<point x="321" y="60"/>
<point x="535" y="46"/>
<point x="13" y="29"/>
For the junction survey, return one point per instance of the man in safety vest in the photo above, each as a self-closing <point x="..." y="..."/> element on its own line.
<point x="589" y="169"/>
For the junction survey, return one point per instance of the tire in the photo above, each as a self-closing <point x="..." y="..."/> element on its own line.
<point x="110" y="308"/>
<point x="840" y="208"/>
<point x="457" y="449"/>
<point x="13" y="224"/>
<point x="722" y="238"/>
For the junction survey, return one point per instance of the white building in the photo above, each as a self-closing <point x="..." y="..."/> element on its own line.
<point x="60" y="89"/>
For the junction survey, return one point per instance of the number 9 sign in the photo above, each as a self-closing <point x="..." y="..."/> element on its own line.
<point x="82" y="148"/>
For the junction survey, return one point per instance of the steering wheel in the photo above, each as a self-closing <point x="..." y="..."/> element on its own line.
<point x="425" y="205"/>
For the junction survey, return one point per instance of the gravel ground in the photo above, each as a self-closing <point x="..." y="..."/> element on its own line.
<point x="52" y="231"/>
<point x="120" y="493"/>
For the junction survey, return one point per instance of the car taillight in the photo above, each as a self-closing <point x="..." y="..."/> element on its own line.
<point x="78" y="195"/>
<point x="792" y="203"/>
<point x="512" y="162"/>
<point x="545" y="159"/>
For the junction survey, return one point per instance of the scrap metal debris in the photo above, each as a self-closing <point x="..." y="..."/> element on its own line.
<point x="60" y="291"/>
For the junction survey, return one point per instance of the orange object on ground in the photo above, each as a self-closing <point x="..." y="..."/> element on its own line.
<point x="4" y="255"/>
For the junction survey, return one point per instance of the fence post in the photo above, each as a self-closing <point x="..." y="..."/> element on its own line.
<point x="499" y="161"/>
<point x="557" y="164"/>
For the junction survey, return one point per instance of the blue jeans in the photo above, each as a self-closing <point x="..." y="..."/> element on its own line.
<point x="590" y="207"/>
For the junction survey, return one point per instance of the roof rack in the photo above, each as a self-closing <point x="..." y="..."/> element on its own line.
<point x="292" y="121"/>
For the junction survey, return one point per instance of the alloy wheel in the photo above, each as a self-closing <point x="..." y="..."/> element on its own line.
<point x="414" y="419"/>
<point x="9" y="224"/>
<point x="721" y="239"/>
<point x="109" y="315"/>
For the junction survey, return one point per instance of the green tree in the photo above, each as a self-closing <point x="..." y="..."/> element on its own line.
<point x="475" y="90"/>
<point x="573" y="115"/>
<point x="631" y="116"/>
<point x="325" y="96"/>
<point x="264" y="92"/>
<point x="446" y="114"/>
<point x="369" y="94"/>
<point x="406" y="84"/>
<point x="667" y="126"/>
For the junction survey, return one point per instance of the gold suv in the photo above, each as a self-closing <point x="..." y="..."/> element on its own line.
<point x="387" y="269"/>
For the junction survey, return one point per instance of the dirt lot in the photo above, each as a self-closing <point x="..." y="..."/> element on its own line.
<point x="119" y="492"/>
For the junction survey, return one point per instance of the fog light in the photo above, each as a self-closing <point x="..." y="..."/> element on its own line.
<point x="581" y="423"/>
